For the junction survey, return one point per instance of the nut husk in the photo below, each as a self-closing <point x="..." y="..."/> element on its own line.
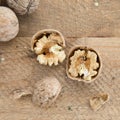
<point x="23" y="7"/>
<point x="78" y="78"/>
<point x="9" y="25"/>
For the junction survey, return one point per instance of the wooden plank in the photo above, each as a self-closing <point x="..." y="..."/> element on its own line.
<point x="74" y="18"/>
<point x="20" y="69"/>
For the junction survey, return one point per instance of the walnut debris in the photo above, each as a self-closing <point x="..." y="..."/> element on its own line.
<point x="97" y="101"/>
<point x="48" y="45"/>
<point x="2" y="59"/>
<point x="19" y="93"/>
<point x="46" y="91"/>
<point x="83" y="64"/>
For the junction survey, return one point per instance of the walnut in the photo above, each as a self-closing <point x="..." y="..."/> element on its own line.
<point x="97" y="101"/>
<point x="23" y="7"/>
<point x="48" y="44"/>
<point x="46" y="91"/>
<point x="9" y="25"/>
<point x="83" y="64"/>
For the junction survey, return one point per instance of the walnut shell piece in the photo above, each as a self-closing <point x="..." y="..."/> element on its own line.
<point x="23" y="7"/>
<point x="97" y="101"/>
<point x="83" y="64"/>
<point x="49" y="46"/>
<point x="46" y="91"/>
<point x="19" y="93"/>
<point x="9" y="25"/>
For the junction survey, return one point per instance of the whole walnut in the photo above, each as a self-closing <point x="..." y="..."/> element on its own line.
<point x="46" y="91"/>
<point x="9" y="25"/>
<point x="23" y="7"/>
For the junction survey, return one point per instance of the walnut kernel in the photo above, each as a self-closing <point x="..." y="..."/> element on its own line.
<point x="48" y="45"/>
<point x="83" y="64"/>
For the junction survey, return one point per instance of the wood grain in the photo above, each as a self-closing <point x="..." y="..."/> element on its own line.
<point x="20" y="69"/>
<point x="74" y="18"/>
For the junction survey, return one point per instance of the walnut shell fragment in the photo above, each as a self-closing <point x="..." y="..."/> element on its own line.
<point x="49" y="46"/>
<point x="97" y="101"/>
<point x="83" y="64"/>
<point x="19" y="93"/>
<point x="9" y="25"/>
<point x="46" y="92"/>
<point x="23" y="7"/>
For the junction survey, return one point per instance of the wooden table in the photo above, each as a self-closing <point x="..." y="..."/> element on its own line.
<point x="77" y="20"/>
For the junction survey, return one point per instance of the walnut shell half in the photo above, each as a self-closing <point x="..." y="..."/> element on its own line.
<point x="46" y="91"/>
<point x="49" y="46"/>
<point x="83" y="64"/>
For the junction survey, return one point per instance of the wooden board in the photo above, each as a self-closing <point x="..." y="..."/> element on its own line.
<point x="20" y="69"/>
<point x="75" y="19"/>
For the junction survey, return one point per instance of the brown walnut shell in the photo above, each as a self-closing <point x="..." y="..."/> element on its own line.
<point x="39" y="34"/>
<point x="46" y="92"/>
<point x="9" y="25"/>
<point x="48" y="45"/>
<point x="23" y="7"/>
<point x="79" y="78"/>
<point x="98" y="101"/>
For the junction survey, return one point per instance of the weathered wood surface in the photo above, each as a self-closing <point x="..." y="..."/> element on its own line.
<point x="20" y="69"/>
<point x="74" y="18"/>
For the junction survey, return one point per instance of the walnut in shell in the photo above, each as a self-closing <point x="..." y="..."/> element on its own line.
<point x="46" y="91"/>
<point x="83" y="64"/>
<point x="23" y="7"/>
<point x="9" y="25"/>
<point x="49" y="46"/>
<point x="97" y="101"/>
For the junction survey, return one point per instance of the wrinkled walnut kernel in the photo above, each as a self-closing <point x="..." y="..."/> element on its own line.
<point x="46" y="92"/>
<point x="97" y="101"/>
<point x="48" y="45"/>
<point x="83" y="64"/>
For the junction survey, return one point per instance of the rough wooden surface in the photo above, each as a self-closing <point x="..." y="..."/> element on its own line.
<point x="75" y="19"/>
<point x="20" y="69"/>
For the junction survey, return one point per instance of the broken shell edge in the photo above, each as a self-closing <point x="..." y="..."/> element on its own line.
<point x="68" y="60"/>
<point x="46" y="31"/>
